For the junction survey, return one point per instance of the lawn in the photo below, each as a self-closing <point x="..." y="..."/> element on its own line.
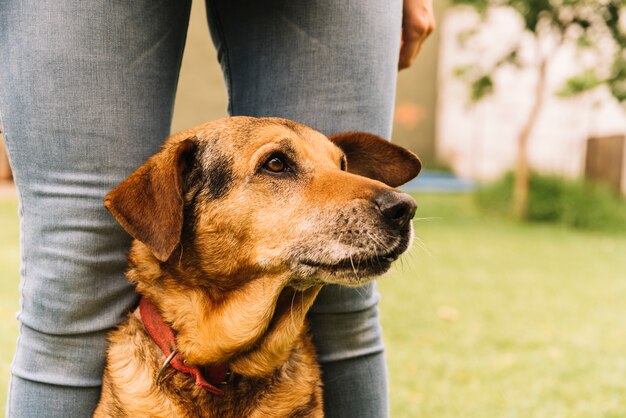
<point x="483" y="318"/>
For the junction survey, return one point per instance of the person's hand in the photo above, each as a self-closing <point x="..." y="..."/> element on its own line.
<point x="418" y="22"/>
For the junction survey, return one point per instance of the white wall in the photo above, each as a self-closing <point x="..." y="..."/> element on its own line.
<point x="479" y="141"/>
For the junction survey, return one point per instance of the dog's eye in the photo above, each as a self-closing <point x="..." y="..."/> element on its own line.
<point x="344" y="164"/>
<point x="275" y="164"/>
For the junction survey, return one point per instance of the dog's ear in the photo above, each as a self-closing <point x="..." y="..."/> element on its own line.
<point x="149" y="203"/>
<point x="371" y="156"/>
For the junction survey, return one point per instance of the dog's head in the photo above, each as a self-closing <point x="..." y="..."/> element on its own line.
<point x="245" y="196"/>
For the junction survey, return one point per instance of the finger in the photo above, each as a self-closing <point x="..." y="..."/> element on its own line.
<point x="408" y="52"/>
<point x="417" y="25"/>
<point x="411" y="46"/>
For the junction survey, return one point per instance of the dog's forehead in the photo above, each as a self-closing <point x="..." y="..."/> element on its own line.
<point x="239" y="139"/>
<point x="262" y="133"/>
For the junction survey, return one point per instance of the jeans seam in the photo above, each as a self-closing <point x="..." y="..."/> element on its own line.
<point x="227" y="65"/>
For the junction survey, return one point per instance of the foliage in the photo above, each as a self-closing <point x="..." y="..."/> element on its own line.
<point x="577" y="204"/>
<point x="597" y="27"/>
<point x="586" y="80"/>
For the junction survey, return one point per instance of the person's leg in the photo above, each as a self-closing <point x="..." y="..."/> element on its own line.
<point x="331" y="64"/>
<point x="86" y="95"/>
<point x="348" y="338"/>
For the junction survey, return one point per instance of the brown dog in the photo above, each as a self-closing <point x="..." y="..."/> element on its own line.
<point x="237" y="225"/>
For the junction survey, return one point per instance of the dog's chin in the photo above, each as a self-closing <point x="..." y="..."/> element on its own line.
<point x="351" y="271"/>
<point x="354" y="277"/>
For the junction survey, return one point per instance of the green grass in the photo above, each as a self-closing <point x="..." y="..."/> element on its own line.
<point x="497" y="319"/>
<point x="484" y="317"/>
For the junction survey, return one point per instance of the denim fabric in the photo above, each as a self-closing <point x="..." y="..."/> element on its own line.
<point x="86" y="94"/>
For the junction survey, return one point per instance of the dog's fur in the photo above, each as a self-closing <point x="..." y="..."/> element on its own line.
<point x="232" y="248"/>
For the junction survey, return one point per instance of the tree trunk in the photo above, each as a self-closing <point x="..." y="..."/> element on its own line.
<point x="522" y="168"/>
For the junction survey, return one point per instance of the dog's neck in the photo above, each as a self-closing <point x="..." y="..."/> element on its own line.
<point x="252" y="328"/>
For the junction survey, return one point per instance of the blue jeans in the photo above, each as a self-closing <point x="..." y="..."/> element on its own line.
<point x="86" y="95"/>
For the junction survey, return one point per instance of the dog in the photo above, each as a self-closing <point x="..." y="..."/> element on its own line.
<point x="237" y="224"/>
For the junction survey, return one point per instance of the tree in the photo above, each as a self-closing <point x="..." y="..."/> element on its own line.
<point x="597" y="27"/>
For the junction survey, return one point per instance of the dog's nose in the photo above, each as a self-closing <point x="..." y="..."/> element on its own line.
<point x="397" y="208"/>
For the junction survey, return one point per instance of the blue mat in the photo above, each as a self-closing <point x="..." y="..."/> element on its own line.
<point x="438" y="182"/>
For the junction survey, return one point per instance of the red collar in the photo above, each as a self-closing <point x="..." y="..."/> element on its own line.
<point x="163" y="336"/>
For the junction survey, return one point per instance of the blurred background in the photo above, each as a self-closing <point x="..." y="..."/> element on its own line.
<point x="512" y="301"/>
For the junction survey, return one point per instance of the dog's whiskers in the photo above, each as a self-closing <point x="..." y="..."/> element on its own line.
<point x="375" y="239"/>
<point x="422" y="245"/>
<point x="338" y="241"/>
<point x="352" y="263"/>
<point x="429" y="218"/>
<point x="293" y="321"/>
<point x="180" y="259"/>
